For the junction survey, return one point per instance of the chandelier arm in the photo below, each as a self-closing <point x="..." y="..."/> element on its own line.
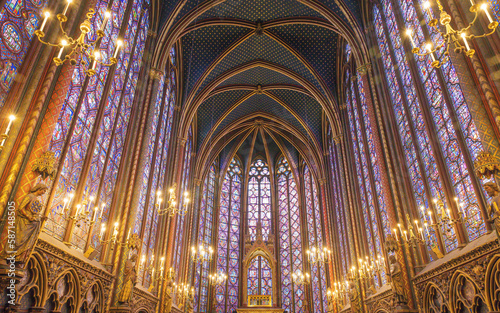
<point x="470" y="24"/>
<point x="486" y="34"/>
<point x="46" y="42"/>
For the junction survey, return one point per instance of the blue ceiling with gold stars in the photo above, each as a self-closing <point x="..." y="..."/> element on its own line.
<point x="287" y="48"/>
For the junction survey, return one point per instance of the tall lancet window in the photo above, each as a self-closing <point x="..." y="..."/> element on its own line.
<point x="179" y="226"/>
<point x="153" y="177"/>
<point x="205" y="228"/>
<point x="315" y="233"/>
<point x="367" y="170"/>
<point x="259" y="199"/>
<point x="91" y="153"/>
<point x="228" y="247"/>
<point x="429" y="112"/>
<point x="19" y="20"/>
<point x="290" y="241"/>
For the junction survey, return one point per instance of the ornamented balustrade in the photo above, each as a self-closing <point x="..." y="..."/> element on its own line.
<point x="260" y="300"/>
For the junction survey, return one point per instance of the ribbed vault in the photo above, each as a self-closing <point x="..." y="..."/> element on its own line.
<point x="270" y="63"/>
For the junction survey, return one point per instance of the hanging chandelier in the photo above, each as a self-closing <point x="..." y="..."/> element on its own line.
<point x="202" y="253"/>
<point x="318" y="255"/>
<point x="81" y="47"/>
<point x="171" y="207"/>
<point x="450" y="35"/>
<point x="300" y="278"/>
<point x="217" y="279"/>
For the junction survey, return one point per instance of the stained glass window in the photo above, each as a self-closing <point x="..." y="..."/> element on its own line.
<point x="495" y="6"/>
<point x="228" y="249"/>
<point x="260" y="277"/>
<point x="421" y="158"/>
<point x="180" y="224"/>
<point x="290" y="238"/>
<point x="18" y="21"/>
<point x="315" y="233"/>
<point x="205" y="226"/>
<point x="347" y="52"/>
<point x="105" y="119"/>
<point x="152" y="180"/>
<point x="259" y="199"/>
<point x="338" y="205"/>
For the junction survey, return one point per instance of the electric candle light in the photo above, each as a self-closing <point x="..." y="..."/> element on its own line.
<point x="78" y="207"/>
<point x="103" y="229"/>
<point x="409" y="33"/>
<point x="119" y="43"/>
<point x="128" y="235"/>
<point x="97" y="54"/>
<point x="47" y="15"/>
<point x="63" y="44"/>
<point x="429" y="48"/>
<point x="67" y="7"/>
<point x="107" y="15"/>
<point x="427" y="7"/>
<point x="484" y="7"/>
<point x="102" y="210"/>
<point x="395" y="234"/>
<point x="430" y="216"/>
<point x="7" y="130"/>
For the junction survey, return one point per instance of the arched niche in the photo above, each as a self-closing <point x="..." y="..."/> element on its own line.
<point x="466" y="295"/>
<point x="434" y="300"/>
<point x="492" y="283"/>
<point x="259" y="249"/>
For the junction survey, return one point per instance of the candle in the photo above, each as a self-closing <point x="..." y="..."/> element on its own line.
<point x="47" y="15"/>
<point x="91" y="199"/>
<point x="427" y="7"/>
<point x="103" y="229"/>
<point x="395" y="234"/>
<point x="119" y="43"/>
<point x="449" y="213"/>
<point x="430" y="216"/>
<point x="471" y="2"/>
<point x="484" y="7"/>
<point x="67" y="7"/>
<point x="107" y="15"/>
<point x="78" y="207"/>
<point x="429" y="48"/>
<point x="63" y="44"/>
<point x="102" y="210"/>
<point x="426" y="229"/>
<point x="11" y="120"/>
<point x="96" y="209"/>
<point x="153" y="275"/>
<point x="97" y="54"/>
<point x="406" y="237"/>
<point x="409" y="33"/>
<point x="128" y="235"/>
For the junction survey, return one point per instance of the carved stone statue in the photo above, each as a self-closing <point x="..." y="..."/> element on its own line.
<point x="129" y="280"/>
<point x="190" y="303"/>
<point x="168" y="296"/>
<point x="27" y="223"/>
<point x="493" y="191"/>
<point x="354" y="297"/>
<point x="397" y="281"/>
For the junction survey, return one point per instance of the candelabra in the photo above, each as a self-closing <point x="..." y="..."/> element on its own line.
<point x="182" y="292"/>
<point x="413" y="236"/>
<point x="114" y="235"/>
<point x="5" y="135"/>
<point x="171" y="208"/>
<point x="318" y="255"/>
<point x="300" y="278"/>
<point x="217" y="279"/>
<point x="84" y="212"/>
<point x="82" y="45"/>
<point x="451" y="35"/>
<point x="203" y="253"/>
<point x="338" y="292"/>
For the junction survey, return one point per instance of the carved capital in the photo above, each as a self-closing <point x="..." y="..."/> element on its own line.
<point x="364" y="69"/>
<point x="45" y="165"/>
<point x="182" y="141"/>
<point x="152" y="33"/>
<point x="155" y="73"/>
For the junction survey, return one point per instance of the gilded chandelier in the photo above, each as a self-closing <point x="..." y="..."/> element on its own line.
<point x="202" y="253"/>
<point x="171" y="208"/>
<point x="450" y="35"/>
<point x="318" y="255"/>
<point x="81" y="45"/>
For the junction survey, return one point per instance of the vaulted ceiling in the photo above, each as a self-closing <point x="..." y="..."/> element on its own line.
<point x="260" y="66"/>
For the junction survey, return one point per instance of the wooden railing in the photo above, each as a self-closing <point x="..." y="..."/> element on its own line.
<point x="259" y="300"/>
